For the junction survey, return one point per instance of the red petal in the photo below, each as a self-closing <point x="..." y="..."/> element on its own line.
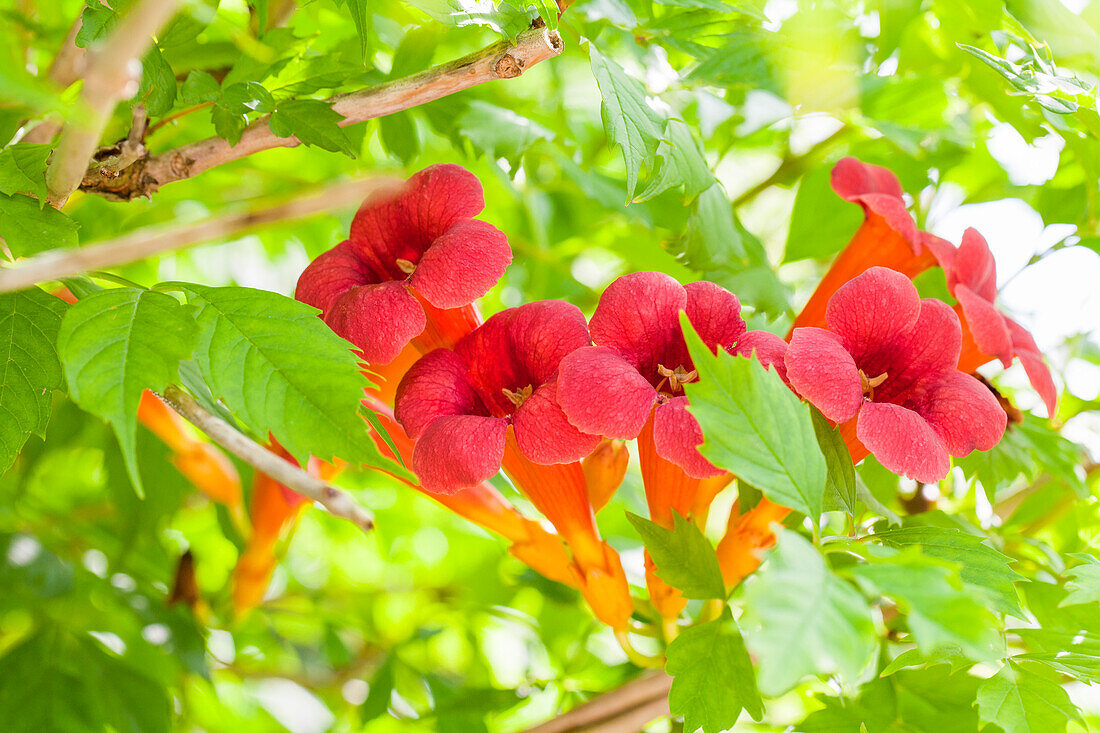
<point x="930" y="348"/>
<point x="434" y="387"/>
<point x="459" y="451"/>
<point x="379" y="319"/>
<point x="823" y="372"/>
<point x="987" y="326"/>
<point x="1038" y="373"/>
<point x="974" y="266"/>
<point x="715" y="314"/>
<point x="877" y="190"/>
<point x="388" y="227"/>
<point x="872" y="310"/>
<point x="964" y="413"/>
<point x="941" y="249"/>
<point x="677" y="435"/>
<point x="903" y="441"/>
<point x="331" y="275"/>
<point x="521" y="346"/>
<point x="769" y="350"/>
<point x="602" y="394"/>
<point x="639" y="317"/>
<point x="462" y="264"/>
<point x="543" y="433"/>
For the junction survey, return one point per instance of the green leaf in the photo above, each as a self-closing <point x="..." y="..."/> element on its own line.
<point x="23" y="170"/>
<point x="500" y="132"/>
<point x="682" y="163"/>
<point x="199" y="88"/>
<point x="1085" y="586"/>
<point x="1076" y="653"/>
<point x="115" y="344"/>
<point x="840" y="486"/>
<point x="158" y="83"/>
<point x="282" y="371"/>
<point x="684" y="557"/>
<point x="506" y="17"/>
<point x="230" y="113"/>
<point x="28" y="228"/>
<point x="982" y="567"/>
<point x="801" y="619"/>
<point x="362" y="19"/>
<point x="548" y="11"/>
<point x="1020" y="699"/>
<point x="628" y="119"/>
<point x="712" y="677"/>
<point x="314" y="123"/>
<point x="96" y="23"/>
<point x="755" y="427"/>
<point x="821" y="223"/>
<point x="29" y="366"/>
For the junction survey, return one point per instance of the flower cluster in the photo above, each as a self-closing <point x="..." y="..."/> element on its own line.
<point x="549" y="398"/>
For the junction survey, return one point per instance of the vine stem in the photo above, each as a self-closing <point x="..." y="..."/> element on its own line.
<point x="61" y="263"/>
<point x="337" y="502"/>
<point x="110" y="77"/>
<point x="501" y="60"/>
<point x="626" y="709"/>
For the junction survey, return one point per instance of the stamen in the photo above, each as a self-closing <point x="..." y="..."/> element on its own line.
<point x="675" y="378"/>
<point x="519" y="396"/>
<point x="405" y="266"/>
<point x="869" y="383"/>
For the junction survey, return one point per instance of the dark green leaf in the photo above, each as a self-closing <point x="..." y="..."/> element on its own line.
<point x="158" y="83"/>
<point x="199" y="88"/>
<point x="314" y="123"/>
<point x="821" y="223"/>
<point x="28" y="228"/>
<point x="684" y="557"/>
<point x="840" y="487"/>
<point x="682" y="163"/>
<point x="23" y="170"/>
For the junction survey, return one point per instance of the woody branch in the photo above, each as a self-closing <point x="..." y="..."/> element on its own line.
<point x="499" y="61"/>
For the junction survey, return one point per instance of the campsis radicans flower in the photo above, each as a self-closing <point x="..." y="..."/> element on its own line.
<point x="492" y="402"/>
<point x="631" y="385"/>
<point x="412" y="266"/>
<point x="887" y="361"/>
<point x="888" y="236"/>
<point x="987" y="333"/>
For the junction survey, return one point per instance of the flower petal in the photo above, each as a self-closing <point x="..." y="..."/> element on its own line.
<point x="602" y="394"/>
<point x="823" y="372"/>
<point x="987" y="326"/>
<point x="379" y="319"/>
<point x="903" y="441"/>
<point x="872" y="310"/>
<point x="1038" y="373"/>
<point x="715" y="313"/>
<point x="462" y="264"/>
<point x="877" y="190"/>
<point x="769" y="350"/>
<point x="677" y="435"/>
<point x="930" y="348"/>
<point x="544" y="434"/>
<point x="331" y="275"/>
<point x="964" y="412"/>
<point x="975" y="266"/>
<point x="639" y="317"/>
<point x="941" y="249"/>
<point x="459" y="451"/>
<point x="435" y="386"/>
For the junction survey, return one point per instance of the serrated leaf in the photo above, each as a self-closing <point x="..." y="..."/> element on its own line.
<point x="548" y="11"/>
<point x="96" y="23"/>
<point x="1076" y="653"/>
<point x="801" y="619"/>
<point x="507" y="18"/>
<point x="981" y="566"/>
<point x="28" y="228"/>
<point x="1020" y="700"/>
<point x="1085" y="586"/>
<point x="314" y="123"/>
<point x="282" y="371"/>
<point x="158" y="83"/>
<point x="684" y="557"/>
<point x="23" y="170"/>
<point x="840" y="486"/>
<point x="682" y="163"/>
<point x="115" y="344"/>
<point x="199" y="88"/>
<point x="29" y="366"/>
<point x="712" y="675"/>
<point x="236" y="101"/>
<point x="628" y="119"/>
<point x="755" y="427"/>
<point x="361" y="18"/>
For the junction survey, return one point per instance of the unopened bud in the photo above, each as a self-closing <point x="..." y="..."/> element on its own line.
<point x="604" y="470"/>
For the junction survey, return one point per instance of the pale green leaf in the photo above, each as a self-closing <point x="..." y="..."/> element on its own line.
<point x="28" y="228"/>
<point x="682" y="163"/>
<point x="840" y="486"/>
<point x="1085" y="586"/>
<point x="1020" y="699"/>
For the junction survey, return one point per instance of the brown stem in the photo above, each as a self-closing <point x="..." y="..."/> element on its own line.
<point x="337" y="502"/>
<point x="136" y="245"/>
<point x="499" y="61"/>
<point x="110" y="77"/>
<point x="623" y="710"/>
<point x="64" y="70"/>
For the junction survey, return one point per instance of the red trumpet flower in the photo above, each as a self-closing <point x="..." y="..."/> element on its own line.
<point x="888" y="362"/>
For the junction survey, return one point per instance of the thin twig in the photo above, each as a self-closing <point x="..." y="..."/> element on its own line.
<point x="337" y="502"/>
<point x="626" y="708"/>
<point x="499" y="61"/>
<point x="136" y="245"/>
<point x="110" y="77"/>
